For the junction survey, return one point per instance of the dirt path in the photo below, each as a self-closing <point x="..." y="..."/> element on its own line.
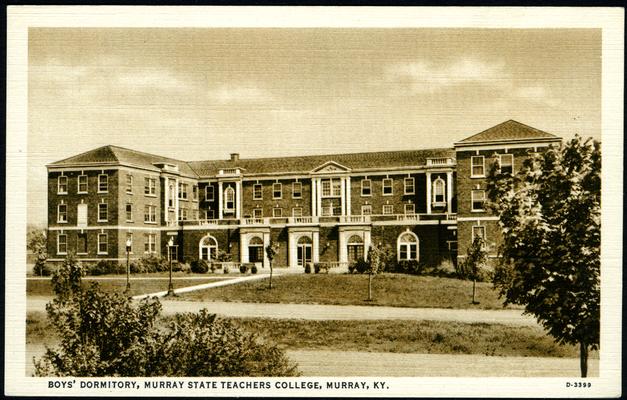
<point x="352" y="363"/>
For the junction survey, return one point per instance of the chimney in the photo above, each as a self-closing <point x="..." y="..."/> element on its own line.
<point x="235" y="157"/>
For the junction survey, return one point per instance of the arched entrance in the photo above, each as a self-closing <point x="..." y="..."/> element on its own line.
<point x="304" y="251"/>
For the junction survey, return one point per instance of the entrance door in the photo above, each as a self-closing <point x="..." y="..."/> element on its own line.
<point x="304" y="251"/>
<point x="355" y="248"/>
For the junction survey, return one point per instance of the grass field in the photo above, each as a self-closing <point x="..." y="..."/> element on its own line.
<point x="422" y="337"/>
<point x="388" y="290"/>
<point x="138" y="286"/>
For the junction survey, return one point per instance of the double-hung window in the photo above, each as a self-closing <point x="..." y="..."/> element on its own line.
<point x="195" y="192"/>
<point x="277" y="212"/>
<point x="82" y="184"/>
<point x="183" y="187"/>
<point x="366" y="209"/>
<point x="62" y="244"/>
<point x="297" y="190"/>
<point x="209" y="194"/>
<point x="388" y="209"/>
<point x="62" y="213"/>
<point x="277" y="190"/>
<point x="257" y="212"/>
<point x="129" y="183"/>
<point x="478" y="200"/>
<point x="410" y="209"/>
<point x="409" y="186"/>
<point x="366" y="187"/>
<point x="387" y="187"/>
<point x="103" y="183"/>
<point x="129" y="212"/>
<point x="257" y="191"/>
<point x="477" y="165"/>
<point x="150" y="186"/>
<point x="150" y="213"/>
<point x="62" y="184"/>
<point x="103" y="243"/>
<point x="103" y="212"/>
<point x="506" y="163"/>
<point x="150" y="243"/>
<point x="297" y="212"/>
<point x="439" y="195"/>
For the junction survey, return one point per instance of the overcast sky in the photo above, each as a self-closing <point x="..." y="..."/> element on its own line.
<point x="204" y="93"/>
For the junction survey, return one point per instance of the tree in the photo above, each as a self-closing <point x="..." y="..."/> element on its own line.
<point x="272" y="250"/>
<point x="36" y="240"/>
<point x="476" y="258"/>
<point x="106" y="334"/>
<point x="550" y="218"/>
<point x="377" y="258"/>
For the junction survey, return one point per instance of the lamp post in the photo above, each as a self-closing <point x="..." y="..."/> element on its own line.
<point x="170" y="287"/>
<point x="128" y="270"/>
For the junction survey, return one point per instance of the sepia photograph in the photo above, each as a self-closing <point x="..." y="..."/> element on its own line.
<point x="230" y="201"/>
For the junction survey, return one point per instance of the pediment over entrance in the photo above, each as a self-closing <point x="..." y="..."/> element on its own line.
<point x="330" y="167"/>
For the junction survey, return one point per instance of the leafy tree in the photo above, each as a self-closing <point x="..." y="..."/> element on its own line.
<point x="550" y="218"/>
<point x="272" y="250"/>
<point x="36" y="240"/>
<point x="476" y="258"/>
<point x="377" y="258"/>
<point x="107" y="335"/>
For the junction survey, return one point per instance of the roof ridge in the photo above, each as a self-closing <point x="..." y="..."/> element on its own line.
<point x="86" y="152"/>
<point x="509" y="121"/>
<point x="144" y="153"/>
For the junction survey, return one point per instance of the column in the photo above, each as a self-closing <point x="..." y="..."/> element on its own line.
<point x="166" y="197"/>
<point x="176" y="199"/>
<point x="316" y="247"/>
<point x="291" y="251"/>
<point x="428" y="192"/>
<point x="348" y="195"/>
<point x="342" y="251"/>
<point x="220" y="198"/>
<point x="238" y="197"/>
<point x="243" y="245"/>
<point x="449" y="192"/>
<point x="367" y="241"/>
<point x="318" y="196"/>
<point x="343" y="194"/>
<point x="314" y="205"/>
<point x="266" y="242"/>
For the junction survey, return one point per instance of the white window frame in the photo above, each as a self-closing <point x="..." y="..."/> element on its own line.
<point x="387" y="183"/>
<point x="508" y="155"/>
<point x="369" y="187"/>
<point x="106" y="243"/>
<point x="194" y="192"/>
<point x="390" y="207"/>
<point x="333" y="190"/>
<point x="78" y="184"/>
<point x="297" y="212"/>
<point x="183" y="188"/>
<point x="150" y="244"/>
<point x="129" y="235"/>
<point x="472" y="200"/>
<point x="151" y="185"/>
<point x="84" y="250"/>
<point x="212" y="249"/>
<point x="150" y="211"/>
<point x="274" y="191"/>
<point x="434" y="189"/>
<point x="126" y="212"/>
<point x="228" y="193"/>
<point x="257" y="191"/>
<point x="409" y="209"/>
<point x="297" y="194"/>
<point x="277" y="210"/>
<point x="482" y="228"/>
<point x="59" y="214"/>
<point x="59" y="252"/>
<point x="209" y="189"/>
<point x="65" y="178"/>
<point x="182" y="214"/>
<point x="106" y="211"/>
<point x="129" y="184"/>
<point x="473" y="165"/>
<point x="366" y="207"/>
<point x="412" y="185"/>
<point x="258" y="210"/>
<point x="407" y="246"/>
<point x="106" y="183"/>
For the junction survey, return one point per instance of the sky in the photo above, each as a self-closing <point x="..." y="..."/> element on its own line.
<point x="196" y="94"/>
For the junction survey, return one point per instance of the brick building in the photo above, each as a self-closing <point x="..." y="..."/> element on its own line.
<point x="425" y="204"/>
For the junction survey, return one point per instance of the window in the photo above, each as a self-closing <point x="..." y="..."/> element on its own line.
<point x="255" y="249"/>
<point x="150" y="186"/>
<point x="326" y="188"/>
<point x="257" y="191"/>
<point x="366" y="187"/>
<point x="304" y="247"/>
<point x="182" y="214"/>
<point x="387" y="187"/>
<point x="129" y="239"/>
<point x="209" y="214"/>
<point x="477" y="166"/>
<point x="103" y="183"/>
<point x="62" y="185"/>
<point x="297" y="212"/>
<point x="208" y="248"/>
<point x="81" y="243"/>
<point x="183" y="187"/>
<point x="355" y="248"/>
<point x="407" y="247"/>
<point x="81" y="215"/>
<point x="209" y="196"/>
<point x="410" y="209"/>
<point x="331" y="187"/>
<point x="150" y="213"/>
<point x="506" y="163"/>
<point x="102" y="243"/>
<point x="129" y="183"/>
<point x="409" y="185"/>
<point x="150" y="243"/>
<point x="195" y="192"/>
<point x="478" y="200"/>
<point x="297" y="190"/>
<point x="62" y="213"/>
<point x="229" y="199"/>
<point x="103" y="211"/>
<point x="171" y="195"/>
<point x="438" y="191"/>
<point x="277" y="190"/>
<point x="277" y="212"/>
<point x="388" y="209"/>
<point x="478" y="231"/>
<point x="62" y="244"/>
<point x="366" y="209"/>
<point x="129" y="212"/>
<point x="257" y="212"/>
<point x="82" y="184"/>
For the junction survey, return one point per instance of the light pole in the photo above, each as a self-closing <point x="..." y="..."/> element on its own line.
<point x="128" y="270"/>
<point x="170" y="287"/>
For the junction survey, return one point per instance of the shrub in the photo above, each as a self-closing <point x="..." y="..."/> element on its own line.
<point x="308" y="268"/>
<point x="105" y="334"/>
<point x="40" y="268"/>
<point x="361" y="266"/>
<point x="226" y="269"/>
<point x="185" y="267"/>
<point x="253" y="269"/>
<point x="199" y="266"/>
<point x="243" y="268"/>
<point x="213" y="267"/>
<point x="136" y="267"/>
<point x="153" y="263"/>
<point x="317" y="268"/>
<point x="104" y="267"/>
<point x="351" y="268"/>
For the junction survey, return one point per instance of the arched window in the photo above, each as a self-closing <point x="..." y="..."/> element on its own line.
<point x="171" y="196"/>
<point x="229" y="199"/>
<point x="355" y="247"/>
<point x="303" y="250"/>
<point x="255" y="249"/>
<point x="439" y="193"/>
<point x="208" y="248"/>
<point x="407" y="247"/>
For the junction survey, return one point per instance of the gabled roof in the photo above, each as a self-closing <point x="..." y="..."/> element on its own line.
<point x="305" y="164"/>
<point x="508" y="131"/>
<point x="121" y="156"/>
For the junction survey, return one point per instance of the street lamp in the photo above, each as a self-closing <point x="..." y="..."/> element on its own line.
<point x="128" y="270"/>
<point x="170" y="287"/>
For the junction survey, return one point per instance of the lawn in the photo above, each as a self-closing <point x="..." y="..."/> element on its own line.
<point x="398" y="290"/>
<point x="43" y="287"/>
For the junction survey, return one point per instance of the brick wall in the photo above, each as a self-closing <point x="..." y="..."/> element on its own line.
<point x="268" y="203"/>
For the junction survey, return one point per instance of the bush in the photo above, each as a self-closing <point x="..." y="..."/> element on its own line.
<point x="317" y="268"/>
<point x="351" y="268"/>
<point x="153" y="263"/>
<point x="243" y="268"/>
<point x="308" y="268"/>
<point x="199" y="267"/>
<point x="361" y="266"/>
<point x="41" y="269"/>
<point x="136" y="267"/>
<point x="105" y="334"/>
<point x="253" y="269"/>
<point x="185" y="267"/>
<point x="104" y="267"/>
<point x="226" y="269"/>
